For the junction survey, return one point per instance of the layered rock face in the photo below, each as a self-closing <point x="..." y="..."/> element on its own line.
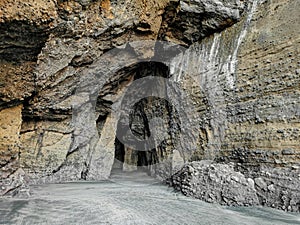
<point x="254" y="106"/>
<point x="226" y="88"/>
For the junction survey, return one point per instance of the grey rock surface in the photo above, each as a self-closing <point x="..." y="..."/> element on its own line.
<point x="195" y="19"/>
<point x="215" y="183"/>
<point x="224" y="184"/>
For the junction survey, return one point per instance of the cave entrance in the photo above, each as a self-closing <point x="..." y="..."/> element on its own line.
<point x="132" y="159"/>
<point x="129" y="160"/>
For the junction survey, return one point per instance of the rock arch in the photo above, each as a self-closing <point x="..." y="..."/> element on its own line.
<point x="94" y="154"/>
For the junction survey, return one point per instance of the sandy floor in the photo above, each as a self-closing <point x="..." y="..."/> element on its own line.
<point x="128" y="199"/>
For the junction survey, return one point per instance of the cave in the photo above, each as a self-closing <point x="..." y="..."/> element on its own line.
<point x="135" y="159"/>
<point x="132" y="158"/>
<point x="104" y="103"/>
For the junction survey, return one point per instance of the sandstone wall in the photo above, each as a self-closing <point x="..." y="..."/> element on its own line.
<point x="264" y="112"/>
<point x="249" y="76"/>
<point x="10" y="120"/>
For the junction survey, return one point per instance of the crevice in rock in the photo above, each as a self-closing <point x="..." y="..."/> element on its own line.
<point x="21" y="41"/>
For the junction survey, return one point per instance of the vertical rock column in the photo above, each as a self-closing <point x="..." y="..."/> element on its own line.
<point x="10" y="126"/>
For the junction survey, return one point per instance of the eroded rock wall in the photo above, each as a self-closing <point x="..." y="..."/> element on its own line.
<point x="249" y="76"/>
<point x="239" y="66"/>
<point x="44" y="46"/>
<point x="10" y="120"/>
<point x="221" y="183"/>
<point x="264" y="108"/>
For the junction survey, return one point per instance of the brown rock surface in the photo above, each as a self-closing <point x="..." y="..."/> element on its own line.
<point x="10" y="126"/>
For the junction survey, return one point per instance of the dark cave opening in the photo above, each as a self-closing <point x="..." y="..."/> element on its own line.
<point x="133" y="158"/>
<point x="128" y="159"/>
<point x="168" y="153"/>
<point x="119" y="154"/>
<point x="137" y="160"/>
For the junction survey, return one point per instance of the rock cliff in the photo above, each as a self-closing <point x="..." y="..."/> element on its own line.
<point x="226" y="86"/>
